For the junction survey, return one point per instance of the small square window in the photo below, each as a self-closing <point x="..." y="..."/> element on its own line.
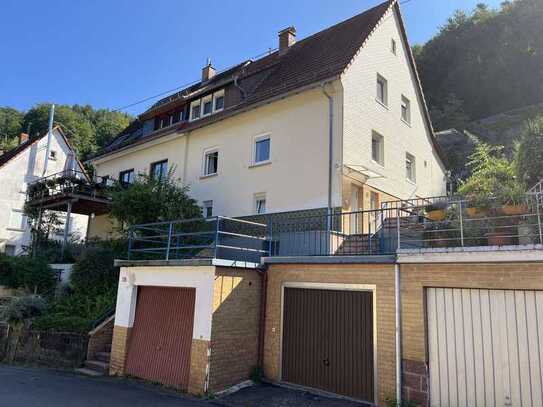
<point x="382" y="91"/>
<point x="393" y="46"/>
<point x="17" y="220"/>
<point x="10" y="250"/>
<point x="208" y="209"/>
<point x="260" y="203"/>
<point x="262" y="149"/>
<point x="53" y="155"/>
<point x="410" y="167"/>
<point x="406" y="110"/>
<point x="377" y="148"/>
<point x="126" y="177"/>
<point x="195" y="111"/>
<point x="211" y="162"/>
<point x="159" y="170"/>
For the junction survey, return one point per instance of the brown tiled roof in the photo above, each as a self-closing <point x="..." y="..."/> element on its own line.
<point x="319" y="57"/>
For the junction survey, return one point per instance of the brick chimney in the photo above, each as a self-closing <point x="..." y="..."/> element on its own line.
<point x="208" y="71"/>
<point x="287" y="38"/>
<point x="23" y="138"/>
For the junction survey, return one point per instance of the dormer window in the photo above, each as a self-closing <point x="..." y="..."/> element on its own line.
<point x="195" y="110"/>
<point x="208" y="106"/>
<point x="218" y="98"/>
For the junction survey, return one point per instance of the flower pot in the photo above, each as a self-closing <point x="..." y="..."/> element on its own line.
<point x="514" y="209"/>
<point x="474" y="212"/>
<point x="436" y="215"/>
<point x="499" y="239"/>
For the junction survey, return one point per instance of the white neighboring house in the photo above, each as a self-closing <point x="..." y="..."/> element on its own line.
<point x="20" y="167"/>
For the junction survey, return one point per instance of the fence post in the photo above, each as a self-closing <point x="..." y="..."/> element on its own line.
<point x="538" y="197"/>
<point x="398" y="226"/>
<point x="270" y="237"/>
<point x="169" y="241"/>
<point x="461" y="223"/>
<point x="216" y="240"/>
<point x="130" y="231"/>
<point x="369" y="231"/>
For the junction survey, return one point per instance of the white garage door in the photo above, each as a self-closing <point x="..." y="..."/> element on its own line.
<point x="485" y="347"/>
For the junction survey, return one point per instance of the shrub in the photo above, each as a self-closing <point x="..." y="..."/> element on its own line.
<point x="32" y="274"/>
<point x="22" y="308"/>
<point x="94" y="272"/>
<point x="528" y="163"/>
<point x="61" y="322"/>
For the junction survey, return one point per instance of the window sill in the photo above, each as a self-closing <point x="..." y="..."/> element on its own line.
<point x="209" y="175"/>
<point x="260" y="164"/>
<point x="406" y="122"/>
<point x="15" y="229"/>
<point x="382" y="104"/>
<point x="381" y="165"/>
<point x="411" y="181"/>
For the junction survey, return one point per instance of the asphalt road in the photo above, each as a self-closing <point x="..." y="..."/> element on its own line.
<point x="28" y="387"/>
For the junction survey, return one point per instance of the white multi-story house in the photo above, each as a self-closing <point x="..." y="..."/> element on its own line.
<point x="23" y="165"/>
<point x="337" y="120"/>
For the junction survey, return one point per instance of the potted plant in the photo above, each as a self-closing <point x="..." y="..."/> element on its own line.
<point x="478" y="205"/>
<point x="436" y="211"/>
<point x="513" y="200"/>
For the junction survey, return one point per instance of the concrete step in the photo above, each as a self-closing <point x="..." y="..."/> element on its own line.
<point x="98" y="366"/>
<point x="88" y="372"/>
<point x="103" y="356"/>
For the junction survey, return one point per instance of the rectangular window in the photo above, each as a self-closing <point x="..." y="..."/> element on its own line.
<point x="382" y="91"/>
<point x="195" y="110"/>
<point x="10" y="250"/>
<point x="393" y="46"/>
<point x="53" y="155"/>
<point x="406" y="110"/>
<point x="410" y="167"/>
<point x="262" y="149"/>
<point x="211" y="162"/>
<point x="17" y="220"/>
<point x="377" y="148"/>
<point x="218" y="101"/>
<point x="208" y="106"/>
<point x="159" y="170"/>
<point x="260" y="203"/>
<point x="126" y="177"/>
<point x="208" y="209"/>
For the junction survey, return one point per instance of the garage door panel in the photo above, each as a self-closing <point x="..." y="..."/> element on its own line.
<point x="485" y="347"/>
<point x="161" y="337"/>
<point x="328" y="340"/>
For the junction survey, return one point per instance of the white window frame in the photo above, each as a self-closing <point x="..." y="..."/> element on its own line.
<point x="53" y="155"/>
<point x="383" y="80"/>
<point x="207" y="99"/>
<point x="193" y="105"/>
<point x="405" y="101"/>
<point x="381" y="153"/>
<point x="208" y="205"/>
<point x="413" y="176"/>
<point x="208" y="152"/>
<point x="259" y="197"/>
<point x="20" y="227"/>
<point x="256" y="139"/>
<point x="217" y="95"/>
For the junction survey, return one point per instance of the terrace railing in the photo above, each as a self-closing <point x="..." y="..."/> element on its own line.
<point x="216" y="237"/>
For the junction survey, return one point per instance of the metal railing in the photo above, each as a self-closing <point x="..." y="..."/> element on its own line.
<point x="460" y="223"/>
<point x="202" y="238"/>
<point x="67" y="182"/>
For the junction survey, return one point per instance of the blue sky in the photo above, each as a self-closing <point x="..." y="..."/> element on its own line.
<point x="110" y="53"/>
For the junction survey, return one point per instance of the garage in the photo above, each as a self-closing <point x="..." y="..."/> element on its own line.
<point x="161" y="338"/>
<point x="485" y="347"/>
<point x="328" y="340"/>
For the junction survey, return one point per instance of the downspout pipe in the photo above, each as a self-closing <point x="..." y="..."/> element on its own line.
<point x="397" y="301"/>
<point x="330" y="159"/>
<point x="49" y="137"/>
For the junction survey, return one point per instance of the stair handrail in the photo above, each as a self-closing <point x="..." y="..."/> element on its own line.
<point x="102" y="318"/>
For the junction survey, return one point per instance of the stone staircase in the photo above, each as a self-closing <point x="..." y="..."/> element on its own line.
<point x="99" y="349"/>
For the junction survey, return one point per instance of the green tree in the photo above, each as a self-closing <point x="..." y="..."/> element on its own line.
<point x="150" y="200"/>
<point x="10" y="127"/>
<point x="529" y="153"/>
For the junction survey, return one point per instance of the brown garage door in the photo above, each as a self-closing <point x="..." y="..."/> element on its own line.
<point x="328" y="341"/>
<point x="161" y="338"/>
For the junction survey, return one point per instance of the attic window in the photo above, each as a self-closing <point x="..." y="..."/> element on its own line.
<point x="393" y="46"/>
<point x="53" y="155"/>
<point x="195" y="110"/>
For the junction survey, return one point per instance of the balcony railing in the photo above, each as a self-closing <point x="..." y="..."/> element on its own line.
<point x="232" y="240"/>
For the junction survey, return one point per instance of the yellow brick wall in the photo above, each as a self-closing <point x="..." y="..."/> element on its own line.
<point x="119" y="350"/>
<point x="199" y="364"/>
<point x="382" y="276"/>
<point x="235" y="326"/>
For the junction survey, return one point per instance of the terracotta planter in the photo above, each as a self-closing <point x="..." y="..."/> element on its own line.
<point x="436" y="215"/>
<point x="477" y="212"/>
<point x="499" y="239"/>
<point x="514" y="209"/>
